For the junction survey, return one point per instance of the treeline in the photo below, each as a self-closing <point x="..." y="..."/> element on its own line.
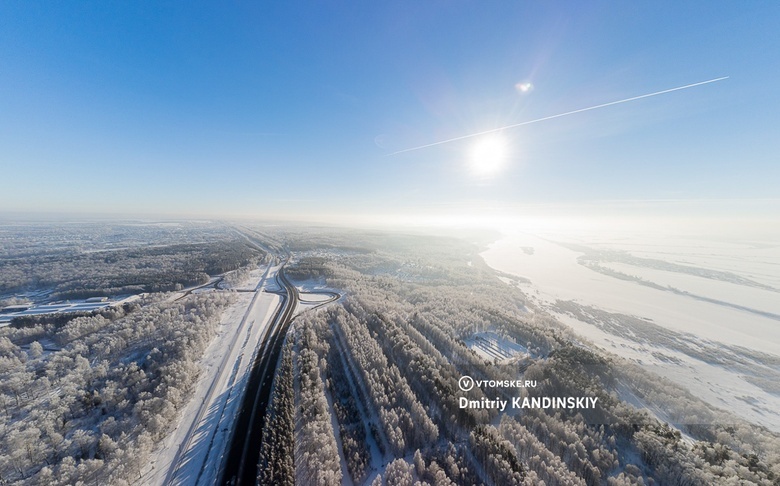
<point x="71" y="275"/>
<point x="352" y="429"/>
<point x="333" y="355"/>
<point x="496" y="456"/>
<point x="92" y="411"/>
<point x="299" y="444"/>
<point x="25" y="240"/>
<point x="432" y="378"/>
<point x="276" y="464"/>
<point x="306" y="268"/>
<point x="59" y="327"/>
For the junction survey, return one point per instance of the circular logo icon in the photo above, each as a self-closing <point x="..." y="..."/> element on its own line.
<point x="466" y="383"/>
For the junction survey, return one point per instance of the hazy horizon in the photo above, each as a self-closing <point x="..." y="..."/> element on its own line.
<point x="733" y="219"/>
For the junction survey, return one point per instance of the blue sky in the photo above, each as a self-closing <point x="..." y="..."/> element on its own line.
<point x="249" y="108"/>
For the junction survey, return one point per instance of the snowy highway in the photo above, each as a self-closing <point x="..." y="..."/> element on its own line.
<point x="193" y="453"/>
<point x="241" y="464"/>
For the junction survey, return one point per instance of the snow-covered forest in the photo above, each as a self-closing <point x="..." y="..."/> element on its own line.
<point x="87" y="260"/>
<point x="366" y="390"/>
<point x="85" y="397"/>
<point x="91" y="404"/>
<point x="368" y="387"/>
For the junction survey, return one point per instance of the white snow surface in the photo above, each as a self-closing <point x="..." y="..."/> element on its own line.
<point x="555" y="273"/>
<point x="494" y="348"/>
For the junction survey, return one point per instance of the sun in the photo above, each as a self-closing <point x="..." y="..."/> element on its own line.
<point x="488" y="155"/>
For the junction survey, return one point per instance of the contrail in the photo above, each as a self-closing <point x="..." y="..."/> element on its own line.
<point x="561" y="114"/>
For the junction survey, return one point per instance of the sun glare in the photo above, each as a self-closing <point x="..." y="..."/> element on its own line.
<point x="488" y="155"/>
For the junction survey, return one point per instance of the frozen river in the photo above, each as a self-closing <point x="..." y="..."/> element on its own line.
<point x="673" y="299"/>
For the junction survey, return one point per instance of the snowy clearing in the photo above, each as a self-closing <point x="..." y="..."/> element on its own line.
<point x="494" y="348"/>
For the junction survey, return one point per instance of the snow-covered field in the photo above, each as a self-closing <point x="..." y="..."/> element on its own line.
<point x="704" y="313"/>
<point x="494" y="348"/>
